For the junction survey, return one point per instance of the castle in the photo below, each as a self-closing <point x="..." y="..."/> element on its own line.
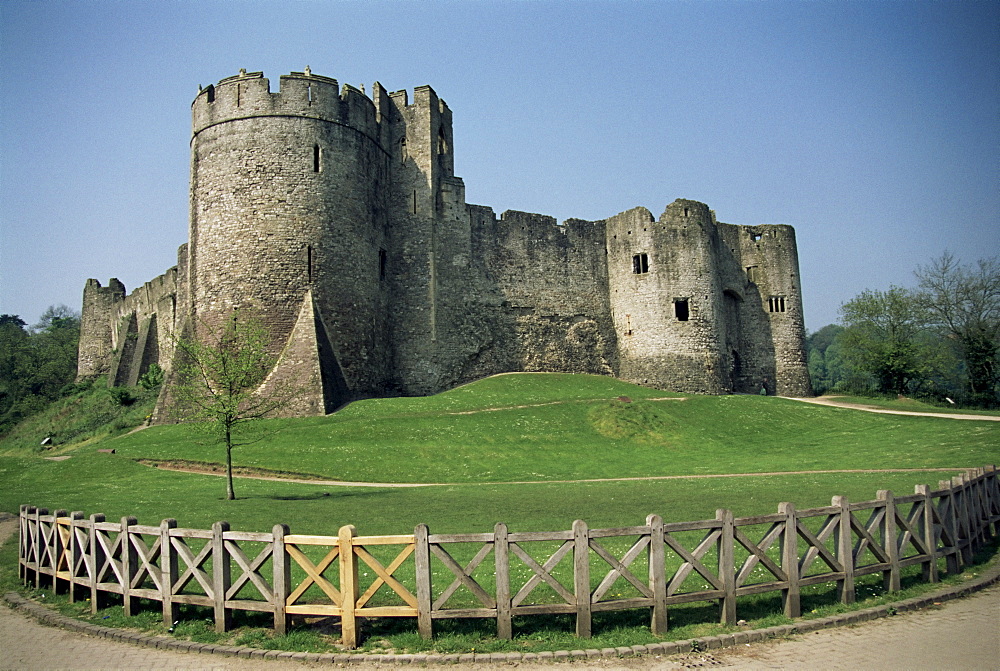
<point x="338" y="219"/>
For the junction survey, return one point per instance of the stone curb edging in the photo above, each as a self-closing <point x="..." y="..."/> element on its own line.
<point x="47" y="616"/>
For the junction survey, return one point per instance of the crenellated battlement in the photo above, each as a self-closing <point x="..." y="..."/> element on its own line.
<point x="301" y="94"/>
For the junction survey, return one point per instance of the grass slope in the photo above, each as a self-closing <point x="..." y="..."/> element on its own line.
<point x="512" y="428"/>
<point x="562" y="427"/>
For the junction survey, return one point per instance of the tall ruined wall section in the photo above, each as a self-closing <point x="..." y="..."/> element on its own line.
<point x="122" y="335"/>
<point x="665" y="294"/>
<point x="97" y="319"/>
<point x="552" y="280"/>
<point x="445" y="324"/>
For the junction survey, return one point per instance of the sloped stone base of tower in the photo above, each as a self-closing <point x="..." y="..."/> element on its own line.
<point x="308" y="373"/>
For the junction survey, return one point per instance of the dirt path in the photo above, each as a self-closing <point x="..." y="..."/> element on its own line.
<point x="346" y="483"/>
<point x="833" y="402"/>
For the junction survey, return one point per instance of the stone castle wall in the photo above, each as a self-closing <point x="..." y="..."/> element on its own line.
<point x="337" y="220"/>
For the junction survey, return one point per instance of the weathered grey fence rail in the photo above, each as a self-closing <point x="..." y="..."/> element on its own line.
<point x="718" y="560"/>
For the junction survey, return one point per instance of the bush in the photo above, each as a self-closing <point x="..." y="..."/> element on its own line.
<point x="152" y="378"/>
<point x="122" y="396"/>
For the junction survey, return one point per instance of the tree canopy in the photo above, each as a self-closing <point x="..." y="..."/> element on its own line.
<point x="36" y="363"/>
<point x="940" y="339"/>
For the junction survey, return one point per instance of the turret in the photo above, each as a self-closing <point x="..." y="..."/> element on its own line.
<point x="97" y="320"/>
<point x="288" y="206"/>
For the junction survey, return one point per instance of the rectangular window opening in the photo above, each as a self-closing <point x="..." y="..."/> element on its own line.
<point x="381" y="264"/>
<point x="640" y="264"/>
<point x="317" y="155"/>
<point x="776" y="304"/>
<point x="753" y="273"/>
<point x="681" y="309"/>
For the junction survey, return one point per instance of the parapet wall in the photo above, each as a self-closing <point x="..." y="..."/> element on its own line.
<point x="300" y="95"/>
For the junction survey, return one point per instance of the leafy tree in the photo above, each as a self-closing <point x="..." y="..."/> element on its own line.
<point x="827" y="367"/>
<point x="221" y="377"/>
<point x="37" y="363"/>
<point x="963" y="302"/>
<point x="883" y="337"/>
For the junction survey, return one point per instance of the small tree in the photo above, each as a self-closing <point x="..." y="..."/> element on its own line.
<point x="221" y="377"/>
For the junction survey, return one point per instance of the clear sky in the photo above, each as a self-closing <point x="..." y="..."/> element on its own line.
<point x="871" y="127"/>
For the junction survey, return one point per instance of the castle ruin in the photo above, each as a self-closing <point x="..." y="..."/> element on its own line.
<point x="337" y="218"/>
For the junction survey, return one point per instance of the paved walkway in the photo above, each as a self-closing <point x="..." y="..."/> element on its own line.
<point x="960" y="634"/>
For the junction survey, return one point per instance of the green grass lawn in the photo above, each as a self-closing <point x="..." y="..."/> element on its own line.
<point x="497" y="448"/>
<point x="561" y="427"/>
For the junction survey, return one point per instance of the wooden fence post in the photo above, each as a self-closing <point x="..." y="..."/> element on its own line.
<point x="890" y="578"/>
<point x="982" y="508"/>
<point x="129" y="560"/>
<point x="581" y="578"/>
<point x="501" y="562"/>
<point x="727" y="568"/>
<point x="657" y="575"/>
<point x="790" y="560"/>
<point x="96" y="559"/>
<point x="930" y="567"/>
<point x="282" y="583"/>
<point x="75" y="552"/>
<point x="993" y="489"/>
<point x="39" y="545"/>
<point x="348" y="585"/>
<point x="168" y="572"/>
<point x="221" y="577"/>
<point x="57" y="549"/>
<point x="961" y="505"/>
<point x="845" y="550"/>
<point x="22" y="542"/>
<point x="946" y="509"/>
<point x="422" y="566"/>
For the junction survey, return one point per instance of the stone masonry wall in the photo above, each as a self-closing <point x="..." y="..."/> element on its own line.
<point x="337" y="220"/>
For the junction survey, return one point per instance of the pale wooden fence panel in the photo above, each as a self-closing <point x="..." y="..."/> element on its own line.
<point x="580" y="571"/>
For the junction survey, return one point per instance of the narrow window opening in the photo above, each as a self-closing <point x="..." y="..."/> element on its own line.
<point x="753" y="272"/>
<point x="681" y="309"/>
<point x="414" y="201"/>
<point x="317" y="155"/>
<point x="442" y="142"/>
<point x="640" y="264"/>
<point x="237" y="95"/>
<point x="685" y="211"/>
<point x="776" y="304"/>
<point x="402" y="151"/>
<point x="309" y="93"/>
<point x="211" y="93"/>
<point x="381" y="264"/>
<point x="309" y="263"/>
<point x="628" y="325"/>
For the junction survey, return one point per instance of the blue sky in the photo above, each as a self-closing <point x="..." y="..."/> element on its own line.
<point x="871" y="127"/>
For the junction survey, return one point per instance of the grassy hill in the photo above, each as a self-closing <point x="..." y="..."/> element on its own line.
<point x="536" y="428"/>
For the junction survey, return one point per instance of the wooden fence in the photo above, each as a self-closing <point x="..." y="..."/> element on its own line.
<point x="579" y="571"/>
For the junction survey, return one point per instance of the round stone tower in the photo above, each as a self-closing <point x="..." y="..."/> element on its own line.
<point x="288" y="221"/>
